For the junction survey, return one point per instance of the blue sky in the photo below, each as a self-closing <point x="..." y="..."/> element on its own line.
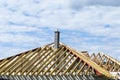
<point x="90" y="25"/>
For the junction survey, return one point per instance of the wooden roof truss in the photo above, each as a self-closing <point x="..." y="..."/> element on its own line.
<point x="49" y="61"/>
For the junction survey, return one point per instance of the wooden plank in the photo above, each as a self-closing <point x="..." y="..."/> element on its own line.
<point x="76" y="66"/>
<point x="60" y="63"/>
<point x="50" y="60"/>
<point x="39" y="61"/>
<point x="24" y="62"/>
<point x="71" y="65"/>
<point x="19" y="62"/>
<point x="25" y="66"/>
<point x="55" y="61"/>
<point x="64" y="65"/>
<point x="79" y="71"/>
<point x="44" y="62"/>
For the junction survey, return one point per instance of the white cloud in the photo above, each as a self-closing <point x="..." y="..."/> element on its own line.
<point x="9" y="28"/>
<point x="78" y="4"/>
<point x="23" y="16"/>
<point x="17" y="38"/>
<point x="10" y="51"/>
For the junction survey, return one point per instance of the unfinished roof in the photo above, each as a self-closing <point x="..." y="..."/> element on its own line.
<point x="54" y="59"/>
<point x="106" y="62"/>
<point x="49" y="61"/>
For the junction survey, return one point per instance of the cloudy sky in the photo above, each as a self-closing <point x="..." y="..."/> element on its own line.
<point x="90" y="25"/>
